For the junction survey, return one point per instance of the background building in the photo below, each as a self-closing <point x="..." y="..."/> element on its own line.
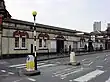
<point x="97" y="26"/>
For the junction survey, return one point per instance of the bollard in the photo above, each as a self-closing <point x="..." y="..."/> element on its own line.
<point x="30" y="67"/>
<point x="73" y="59"/>
<point x="30" y="63"/>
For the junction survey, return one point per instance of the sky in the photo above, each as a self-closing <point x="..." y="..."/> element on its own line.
<point x="71" y="14"/>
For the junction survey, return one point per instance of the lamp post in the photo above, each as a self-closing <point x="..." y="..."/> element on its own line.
<point x="34" y="13"/>
<point x="31" y="62"/>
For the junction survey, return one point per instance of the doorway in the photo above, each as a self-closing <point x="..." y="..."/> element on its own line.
<point x="60" y="45"/>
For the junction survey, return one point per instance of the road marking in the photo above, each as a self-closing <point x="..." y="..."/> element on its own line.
<point x="89" y="76"/>
<point x="10" y="73"/>
<point x="3" y="71"/>
<point x="84" y="59"/>
<point x="31" y="79"/>
<point x="108" y="80"/>
<point x="59" y="74"/>
<point x="64" y="76"/>
<point x="63" y="72"/>
<point x="55" y="69"/>
<point x="100" y="66"/>
<point x="97" y="57"/>
<point x="17" y="65"/>
<point x="65" y="69"/>
<point x="47" y="65"/>
<point x="17" y="80"/>
<point x="90" y="63"/>
<point x="106" y="55"/>
<point x="23" y="65"/>
<point x="105" y="59"/>
<point x="58" y="62"/>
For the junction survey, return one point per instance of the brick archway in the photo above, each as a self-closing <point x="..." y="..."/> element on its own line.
<point x="43" y="35"/>
<point x="19" y="33"/>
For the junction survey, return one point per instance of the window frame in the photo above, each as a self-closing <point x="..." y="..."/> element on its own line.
<point x="17" y="47"/>
<point x="20" y="42"/>
<point x="45" y="43"/>
<point x="40" y="43"/>
<point x="23" y="42"/>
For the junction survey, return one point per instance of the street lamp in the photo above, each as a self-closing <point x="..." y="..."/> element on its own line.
<point x="34" y="13"/>
<point x="31" y="63"/>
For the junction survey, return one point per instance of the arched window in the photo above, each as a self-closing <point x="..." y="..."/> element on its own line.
<point x="20" y="39"/>
<point x="43" y="37"/>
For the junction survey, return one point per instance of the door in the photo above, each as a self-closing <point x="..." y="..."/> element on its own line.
<point x="60" y="45"/>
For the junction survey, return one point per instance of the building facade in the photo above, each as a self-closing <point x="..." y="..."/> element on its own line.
<point x="16" y="37"/>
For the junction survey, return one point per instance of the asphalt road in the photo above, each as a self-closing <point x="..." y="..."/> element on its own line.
<point x="93" y="68"/>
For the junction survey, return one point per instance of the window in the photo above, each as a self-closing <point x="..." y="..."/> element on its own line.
<point x="81" y="44"/>
<point x="23" y="42"/>
<point x="20" y="42"/>
<point x="44" y="42"/>
<point x="40" y="42"/>
<point x="16" y="42"/>
<point x="20" y="39"/>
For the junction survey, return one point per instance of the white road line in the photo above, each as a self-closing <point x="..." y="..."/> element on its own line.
<point x="58" y="69"/>
<point x="84" y="59"/>
<point x="97" y="57"/>
<point x="106" y="55"/>
<point x="105" y="59"/>
<point x="66" y="69"/>
<point x="31" y="79"/>
<point x="17" y="65"/>
<point x="66" y="72"/>
<point x="89" y="76"/>
<point x="63" y="73"/>
<point x="58" y="62"/>
<point x="3" y="71"/>
<point x="108" y="80"/>
<point x="38" y="66"/>
<point x="47" y="65"/>
<point x="11" y="73"/>
<point x="17" y="80"/>
<point x="63" y="76"/>
<point x="90" y="63"/>
<point x="100" y="66"/>
<point x="23" y="65"/>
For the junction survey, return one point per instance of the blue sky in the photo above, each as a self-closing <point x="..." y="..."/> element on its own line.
<point x="71" y="14"/>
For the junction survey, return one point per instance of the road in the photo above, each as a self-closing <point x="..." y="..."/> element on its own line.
<point x="93" y="68"/>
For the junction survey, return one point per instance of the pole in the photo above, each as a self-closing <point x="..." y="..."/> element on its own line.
<point x="35" y="52"/>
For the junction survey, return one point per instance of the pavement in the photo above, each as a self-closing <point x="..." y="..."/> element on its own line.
<point x="95" y="67"/>
<point x="54" y="56"/>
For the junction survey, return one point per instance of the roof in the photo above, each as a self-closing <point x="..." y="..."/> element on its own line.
<point x="41" y="25"/>
<point x="100" y="33"/>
